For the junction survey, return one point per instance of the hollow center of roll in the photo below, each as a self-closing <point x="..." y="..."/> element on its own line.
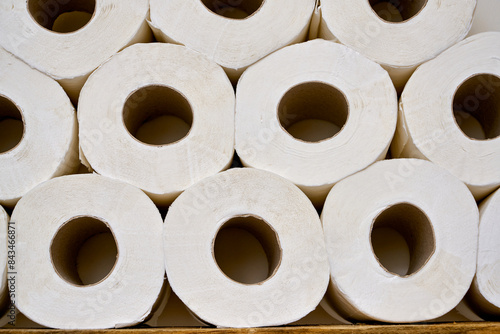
<point x="157" y="115"/>
<point x="397" y="11"/>
<point x="313" y="111"/>
<point x="62" y="16"/>
<point x="84" y="251"/>
<point x="11" y="125"/>
<point x="233" y="9"/>
<point x="402" y="239"/>
<point x="476" y="107"/>
<point x="247" y="249"/>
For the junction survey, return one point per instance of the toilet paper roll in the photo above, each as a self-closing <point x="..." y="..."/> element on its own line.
<point x="484" y="295"/>
<point x="314" y="113"/>
<point x="38" y="130"/>
<point x="158" y="116"/>
<point x="487" y="17"/>
<point x="234" y="34"/>
<point x="55" y="222"/>
<point x="68" y="39"/>
<point x="455" y="121"/>
<point x="5" y="254"/>
<point x="436" y="215"/>
<point x="280" y="216"/>
<point x="398" y="34"/>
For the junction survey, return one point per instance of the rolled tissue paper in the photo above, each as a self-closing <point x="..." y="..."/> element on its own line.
<point x="158" y="116"/>
<point x="38" y="129"/>
<point x="314" y="113"/>
<point x="399" y="35"/>
<point x="69" y="39"/>
<point x="234" y="34"/>
<point x="418" y="202"/>
<point x="61" y="225"/>
<point x="455" y="121"/>
<point x="286" y="224"/>
<point x="484" y="295"/>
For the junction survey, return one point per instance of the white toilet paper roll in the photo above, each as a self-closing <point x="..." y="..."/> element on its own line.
<point x="38" y="129"/>
<point x="54" y="222"/>
<point x="158" y="116"/>
<point x="6" y="252"/>
<point x="398" y="34"/>
<point x="235" y="34"/>
<point x="68" y="39"/>
<point x="436" y="215"/>
<point x="484" y="295"/>
<point x="450" y="113"/>
<point x="314" y="113"/>
<point x="280" y="216"/>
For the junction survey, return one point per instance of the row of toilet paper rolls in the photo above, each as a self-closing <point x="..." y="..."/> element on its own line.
<point x="162" y="117"/>
<point x="334" y="258"/>
<point x="448" y="114"/>
<point x="69" y="39"/>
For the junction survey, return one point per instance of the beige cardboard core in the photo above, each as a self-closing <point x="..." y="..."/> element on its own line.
<point x="247" y="250"/>
<point x="11" y="125"/>
<point x="233" y="9"/>
<point x="476" y="107"/>
<point x="402" y="239"/>
<point x="157" y="115"/>
<point x="62" y="16"/>
<point x="397" y="11"/>
<point x="313" y="111"/>
<point x="84" y="251"/>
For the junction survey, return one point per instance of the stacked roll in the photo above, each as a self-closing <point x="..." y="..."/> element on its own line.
<point x="399" y="35"/>
<point x="67" y="40"/>
<point x="281" y="218"/>
<point x="38" y="130"/>
<point x="314" y="113"/>
<point x="234" y="34"/>
<point x="60" y="226"/>
<point x="455" y="121"/>
<point x="484" y="295"/>
<point x="157" y="116"/>
<point x="435" y="215"/>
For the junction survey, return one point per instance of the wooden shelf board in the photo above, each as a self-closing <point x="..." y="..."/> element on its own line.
<point x="448" y="328"/>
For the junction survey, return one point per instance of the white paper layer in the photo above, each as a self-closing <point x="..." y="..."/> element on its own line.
<point x="123" y="298"/>
<point x="361" y="288"/>
<point x="484" y="295"/>
<point x="398" y="46"/>
<point x="300" y="279"/>
<point x="263" y="143"/>
<point x="71" y="57"/>
<point x="235" y="44"/>
<point x="429" y="129"/>
<point x="164" y="171"/>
